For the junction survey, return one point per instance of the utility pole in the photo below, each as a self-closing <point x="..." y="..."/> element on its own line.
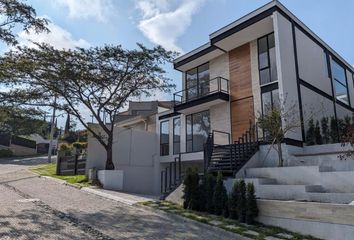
<point x="52" y="128"/>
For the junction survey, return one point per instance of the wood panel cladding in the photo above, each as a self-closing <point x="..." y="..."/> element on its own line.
<point x="242" y="109"/>
<point x="241" y="114"/>
<point x="240" y="72"/>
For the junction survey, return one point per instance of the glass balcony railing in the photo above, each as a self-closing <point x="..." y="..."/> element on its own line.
<point x="215" y="85"/>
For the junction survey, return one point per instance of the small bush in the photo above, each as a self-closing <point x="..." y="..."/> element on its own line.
<point x="310" y="134"/>
<point x="5" y="153"/>
<point x="251" y="206"/>
<point x="325" y="130"/>
<point x="80" y="145"/>
<point x="241" y="202"/>
<point x="220" y="196"/>
<point x="318" y="136"/>
<point x="209" y="187"/>
<point x="191" y="189"/>
<point x="64" y="147"/>
<point x="333" y="130"/>
<point x="233" y="200"/>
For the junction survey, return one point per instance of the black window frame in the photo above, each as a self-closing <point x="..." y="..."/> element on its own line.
<point x="168" y="139"/>
<point x="191" y="140"/>
<point x="269" y="88"/>
<point x="198" y="83"/>
<point x="334" y="81"/>
<point x="180" y="132"/>
<point x="269" y="67"/>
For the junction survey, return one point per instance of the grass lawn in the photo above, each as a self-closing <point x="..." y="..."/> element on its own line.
<point x="49" y="170"/>
<point x="258" y="232"/>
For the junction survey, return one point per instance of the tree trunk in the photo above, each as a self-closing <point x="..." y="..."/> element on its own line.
<point x="109" y="162"/>
<point x="280" y="155"/>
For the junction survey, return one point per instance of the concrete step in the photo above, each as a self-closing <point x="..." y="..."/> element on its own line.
<point x="297" y="175"/>
<point x="340" y="198"/>
<point x="282" y="192"/>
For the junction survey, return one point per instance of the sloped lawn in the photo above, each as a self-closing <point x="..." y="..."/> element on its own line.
<point x="258" y="232"/>
<point x="50" y="169"/>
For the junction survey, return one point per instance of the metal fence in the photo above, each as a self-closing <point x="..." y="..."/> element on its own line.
<point x="71" y="165"/>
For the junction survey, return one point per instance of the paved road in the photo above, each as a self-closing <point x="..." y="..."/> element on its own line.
<point x="39" y="208"/>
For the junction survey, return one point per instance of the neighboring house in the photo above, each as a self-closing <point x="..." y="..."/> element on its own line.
<point x="43" y="144"/>
<point x="18" y="145"/>
<point x="135" y="149"/>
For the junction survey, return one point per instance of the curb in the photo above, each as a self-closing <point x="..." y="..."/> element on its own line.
<point x="108" y="196"/>
<point x="181" y="218"/>
<point x="60" y="181"/>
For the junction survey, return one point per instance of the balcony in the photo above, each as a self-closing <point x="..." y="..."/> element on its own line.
<point x="202" y="96"/>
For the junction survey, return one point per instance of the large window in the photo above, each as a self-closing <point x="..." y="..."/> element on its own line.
<point x="197" y="130"/>
<point x="340" y="82"/>
<point x="270" y="99"/>
<point x="164" y="138"/>
<point x="176" y="135"/>
<point x="197" y="81"/>
<point x="266" y="59"/>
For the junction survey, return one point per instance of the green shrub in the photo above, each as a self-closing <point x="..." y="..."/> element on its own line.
<point x="310" y="134"/>
<point x="325" y="130"/>
<point x="80" y="145"/>
<point x="333" y="130"/>
<point x="209" y="187"/>
<point x="251" y="205"/>
<point x="191" y="189"/>
<point x="233" y="200"/>
<point x="220" y="196"/>
<point x="241" y="202"/>
<point x="318" y="136"/>
<point x="5" y="153"/>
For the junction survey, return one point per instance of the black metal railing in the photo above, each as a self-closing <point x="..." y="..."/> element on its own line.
<point x="215" y="85"/>
<point x="171" y="176"/>
<point x="230" y="158"/>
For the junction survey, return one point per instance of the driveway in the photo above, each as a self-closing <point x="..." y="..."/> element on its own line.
<point x="40" y="208"/>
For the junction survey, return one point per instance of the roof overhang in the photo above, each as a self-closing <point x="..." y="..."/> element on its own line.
<point x="197" y="57"/>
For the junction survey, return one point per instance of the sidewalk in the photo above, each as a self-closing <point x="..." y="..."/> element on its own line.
<point x="127" y="198"/>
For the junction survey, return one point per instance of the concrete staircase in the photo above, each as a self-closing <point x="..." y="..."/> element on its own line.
<point x="301" y="183"/>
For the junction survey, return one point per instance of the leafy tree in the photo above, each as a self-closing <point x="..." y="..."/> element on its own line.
<point x="191" y="189"/>
<point x="220" y="196"/>
<point x="317" y="132"/>
<point x="16" y="13"/>
<point x="334" y="130"/>
<point x="233" y="200"/>
<point x="98" y="80"/>
<point x="310" y="134"/>
<point x="22" y="121"/>
<point x="209" y="186"/>
<point x="251" y="206"/>
<point x="325" y="130"/>
<point x="241" y="202"/>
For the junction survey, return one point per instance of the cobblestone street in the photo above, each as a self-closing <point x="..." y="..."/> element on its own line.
<point x="40" y="208"/>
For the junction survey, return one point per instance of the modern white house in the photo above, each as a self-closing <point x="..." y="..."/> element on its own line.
<point x="266" y="59"/>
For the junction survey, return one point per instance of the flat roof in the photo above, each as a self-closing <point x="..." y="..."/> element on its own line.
<point x="255" y="15"/>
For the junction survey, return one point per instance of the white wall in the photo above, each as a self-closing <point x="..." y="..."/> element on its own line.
<point x="284" y="48"/>
<point x="134" y="152"/>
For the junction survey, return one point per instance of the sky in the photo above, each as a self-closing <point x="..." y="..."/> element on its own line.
<point x="179" y="25"/>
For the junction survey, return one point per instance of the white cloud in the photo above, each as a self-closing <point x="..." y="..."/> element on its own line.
<point x="58" y="38"/>
<point x="163" y="21"/>
<point x="83" y="9"/>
